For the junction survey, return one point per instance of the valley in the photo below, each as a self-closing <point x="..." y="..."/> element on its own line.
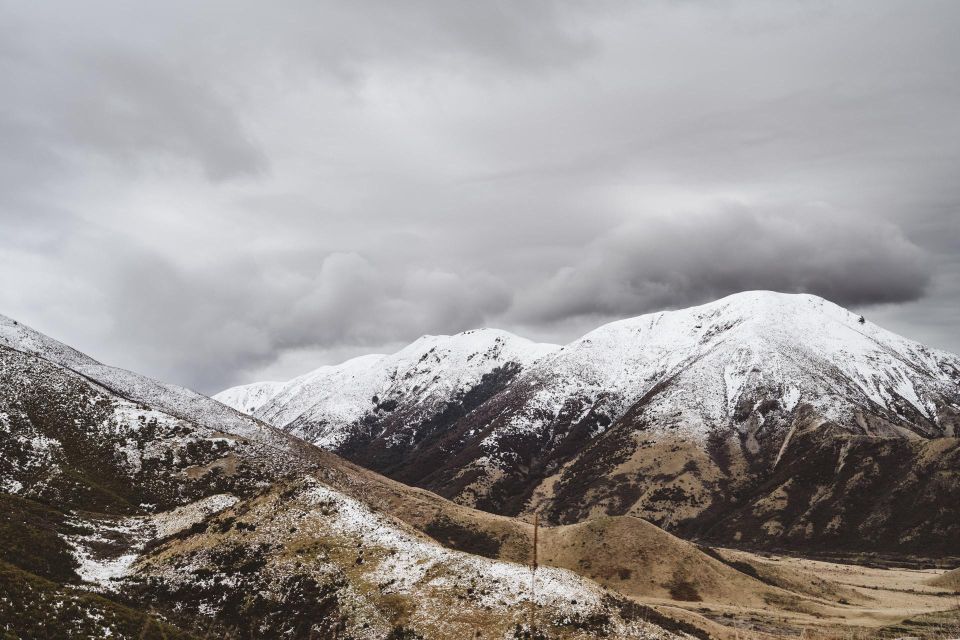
<point x="843" y="600"/>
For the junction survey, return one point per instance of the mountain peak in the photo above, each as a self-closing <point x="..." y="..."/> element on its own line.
<point x="437" y="368"/>
<point x="760" y="304"/>
<point x="799" y="346"/>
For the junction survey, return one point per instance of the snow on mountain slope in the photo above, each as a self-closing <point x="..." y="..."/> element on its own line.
<point x="330" y="395"/>
<point x="76" y="432"/>
<point x="374" y="564"/>
<point x="703" y="366"/>
<point x="700" y="366"/>
<point x="171" y="399"/>
<point x="249" y="397"/>
<point x="431" y="371"/>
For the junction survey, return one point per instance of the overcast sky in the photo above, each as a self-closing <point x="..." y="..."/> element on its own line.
<point x="220" y="192"/>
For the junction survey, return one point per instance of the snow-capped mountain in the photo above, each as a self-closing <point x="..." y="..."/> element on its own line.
<point x="666" y="415"/>
<point x="697" y="370"/>
<point x="707" y="367"/>
<point x="321" y="406"/>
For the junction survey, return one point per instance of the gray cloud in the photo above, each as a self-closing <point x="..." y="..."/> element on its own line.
<point x="237" y="318"/>
<point x="691" y="257"/>
<point x="240" y="190"/>
<point x="142" y="110"/>
<point x="120" y="108"/>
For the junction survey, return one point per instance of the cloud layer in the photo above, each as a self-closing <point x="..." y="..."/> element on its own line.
<point x="686" y="258"/>
<point x="220" y="193"/>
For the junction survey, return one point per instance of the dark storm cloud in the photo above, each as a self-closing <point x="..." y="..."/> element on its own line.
<point x="692" y="257"/>
<point x="225" y="191"/>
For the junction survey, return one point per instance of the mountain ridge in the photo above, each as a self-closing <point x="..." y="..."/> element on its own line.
<point x="436" y="367"/>
<point x="670" y="416"/>
<point x="901" y="351"/>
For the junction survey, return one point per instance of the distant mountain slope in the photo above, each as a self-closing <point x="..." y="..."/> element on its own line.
<point x="249" y="398"/>
<point x="160" y="498"/>
<point x="433" y="371"/>
<point x="681" y="417"/>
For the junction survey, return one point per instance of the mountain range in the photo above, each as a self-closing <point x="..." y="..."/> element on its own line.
<point x="391" y="497"/>
<point x="130" y="508"/>
<point x="782" y="420"/>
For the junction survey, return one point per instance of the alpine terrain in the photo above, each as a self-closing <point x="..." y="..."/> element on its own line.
<point x="772" y="419"/>
<point x="135" y="509"/>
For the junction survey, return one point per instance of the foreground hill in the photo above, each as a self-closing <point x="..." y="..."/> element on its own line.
<point x="122" y="496"/>
<point x="780" y="419"/>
